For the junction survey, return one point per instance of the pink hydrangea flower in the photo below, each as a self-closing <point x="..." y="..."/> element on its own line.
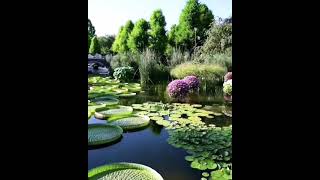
<point x="192" y="81"/>
<point x="228" y="76"/>
<point x="178" y="89"/>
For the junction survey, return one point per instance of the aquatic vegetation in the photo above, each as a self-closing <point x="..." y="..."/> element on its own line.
<point x="121" y="171"/>
<point x="107" y="100"/>
<point x="209" y="147"/>
<point x="127" y="94"/>
<point x="130" y="123"/>
<point x="222" y="174"/>
<point x="178" y="89"/>
<point x="192" y="81"/>
<point x="106" y="86"/>
<point x="101" y="134"/>
<point x="109" y="111"/>
<point x="227" y="87"/>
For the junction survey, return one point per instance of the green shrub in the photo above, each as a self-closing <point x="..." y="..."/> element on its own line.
<point x="124" y="74"/>
<point x="125" y="59"/>
<point x="210" y="73"/>
<point x="224" y="60"/>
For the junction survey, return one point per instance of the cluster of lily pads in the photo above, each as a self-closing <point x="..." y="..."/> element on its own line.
<point x="209" y="146"/>
<point x="116" y="116"/>
<point x="106" y="86"/>
<point x="103" y="103"/>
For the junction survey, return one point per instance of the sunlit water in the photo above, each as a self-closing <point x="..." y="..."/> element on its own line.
<point x="149" y="146"/>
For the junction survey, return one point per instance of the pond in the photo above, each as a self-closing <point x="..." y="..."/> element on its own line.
<point x="149" y="146"/>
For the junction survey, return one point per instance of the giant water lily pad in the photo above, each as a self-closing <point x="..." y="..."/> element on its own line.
<point x="124" y="171"/>
<point x="130" y="123"/>
<point x="127" y="94"/>
<point x="102" y="134"/>
<point x="103" y="113"/>
<point x="107" y="100"/>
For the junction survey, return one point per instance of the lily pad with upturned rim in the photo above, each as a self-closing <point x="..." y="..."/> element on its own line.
<point x="130" y="123"/>
<point x="101" y="134"/>
<point x="104" y="113"/>
<point x="124" y="171"/>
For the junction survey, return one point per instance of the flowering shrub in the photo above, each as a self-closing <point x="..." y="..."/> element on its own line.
<point x="227" y="87"/>
<point x="228" y="76"/>
<point x="178" y="88"/>
<point x="192" y="81"/>
<point x="124" y="74"/>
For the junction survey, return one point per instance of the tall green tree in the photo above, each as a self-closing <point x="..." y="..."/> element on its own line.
<point x="91" y="32"/>
<point x="91" y="29"/>
<point x="95" y="46"/>
<point x="106" y="43"/>
<point x="158" y="38"/>
<point x="89" y="42"/>
<point x="120" y="44"/>
<point x="171" y="35"/>
<point x="194" y="20"/>
<point x="139" y="37"/>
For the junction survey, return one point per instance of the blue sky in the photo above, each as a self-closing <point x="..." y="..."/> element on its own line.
<point x="108" y="15"/>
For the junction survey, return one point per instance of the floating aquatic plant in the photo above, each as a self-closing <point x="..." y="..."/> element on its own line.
<point x="101" y="134"/>
<point x="109" y="111"/>
<point x="104" y="86"/>
<point x="124" y="171"/>
<point x="209" y="147"/>
<point x="130" y="123"/>
<point x="107" y="100"/>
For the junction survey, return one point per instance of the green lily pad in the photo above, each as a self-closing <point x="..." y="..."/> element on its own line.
<point x="156" y="118"/>
<point x="163" y="123"/>
<point x="101" y="134"/>
<point x="127" y="94"/>
<point x="120" y="110"/>
<point x="107" y="100"/>
<point x="130" y="123"/>
<point x="189" y="158"/>
<point x="123" y="171"/>
<point x="205" y="174"/>
<point x="196" y="105"/>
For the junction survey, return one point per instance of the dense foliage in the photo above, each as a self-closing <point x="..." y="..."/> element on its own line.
<point x="120" y="43"/>
<point x="124" y="74"/>
<point x="219" y="41"/>
<point x="95" y="46"/>
<point x="91" y="32"/>
<point x="193" y="22"/>
<point x="158" y="38"/>
<point x="206" y="72"/>
<point x="139" y="37"/>
<point x="106" y="43"/>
